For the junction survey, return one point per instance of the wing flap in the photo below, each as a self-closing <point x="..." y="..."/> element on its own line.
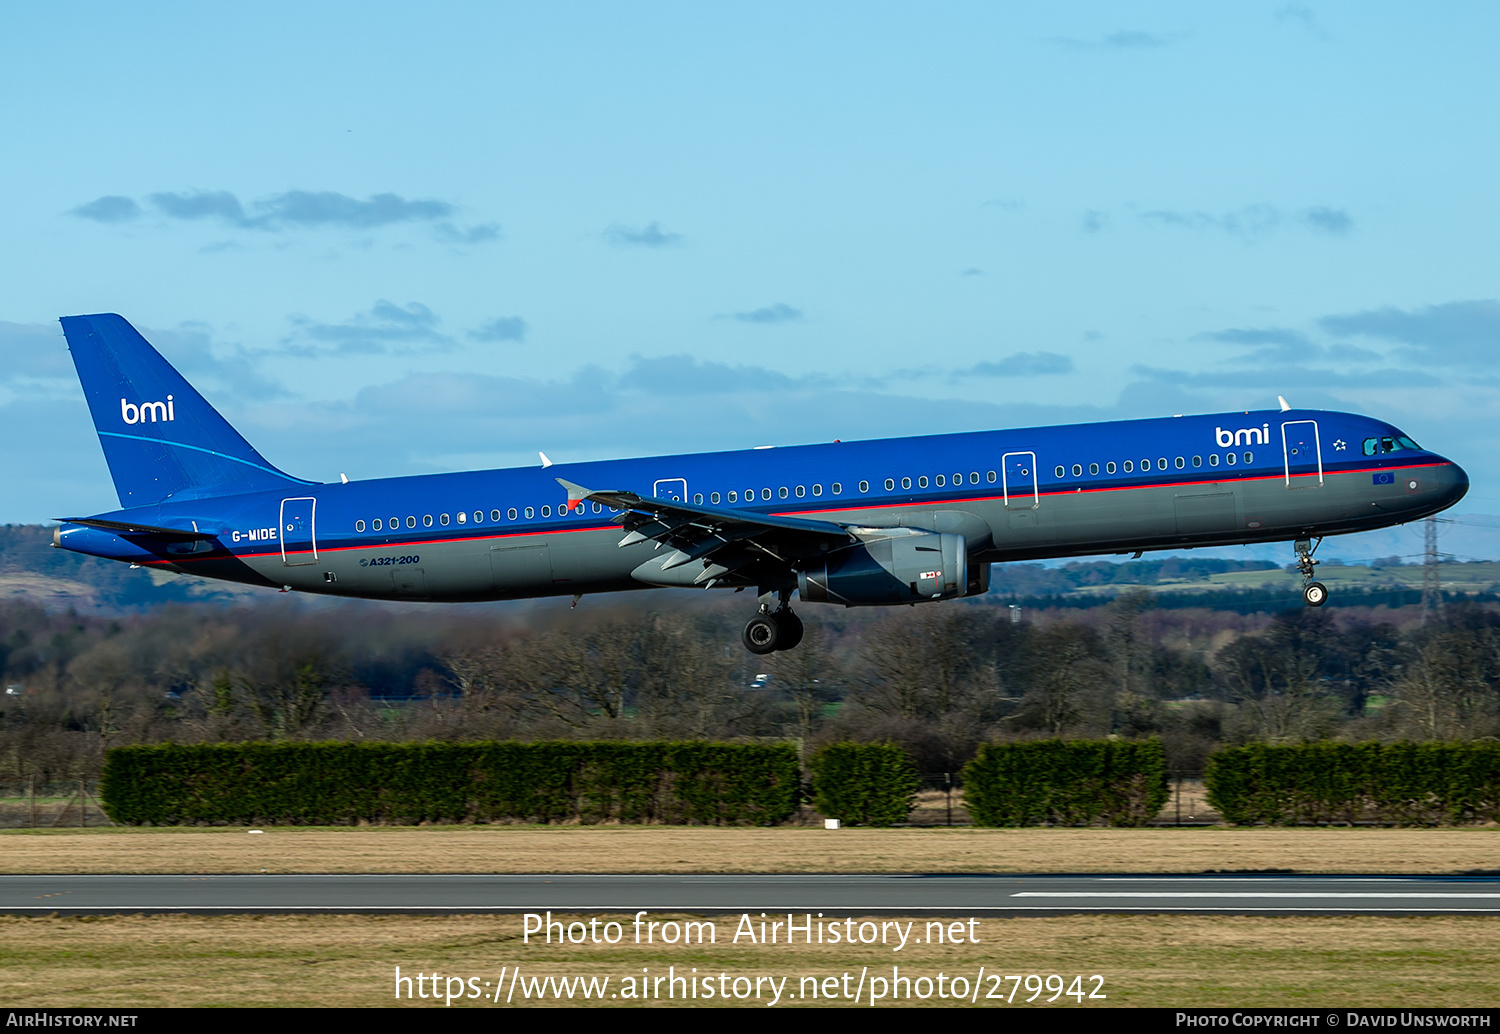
<point x="734" y="546"/>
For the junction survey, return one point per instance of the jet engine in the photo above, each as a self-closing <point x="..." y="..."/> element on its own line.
<point x="910" y="568"/>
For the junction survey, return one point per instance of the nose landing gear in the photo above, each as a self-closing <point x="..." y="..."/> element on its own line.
<point x="1314" y="594"/>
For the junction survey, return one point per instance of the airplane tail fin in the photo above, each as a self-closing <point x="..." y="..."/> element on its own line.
<point x="161" y="439"/>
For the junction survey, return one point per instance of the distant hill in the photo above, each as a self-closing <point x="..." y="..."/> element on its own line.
<point x="31" y="568"/>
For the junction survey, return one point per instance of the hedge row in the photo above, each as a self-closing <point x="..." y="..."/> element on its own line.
<point x="345" y="783"/>
<point x="1066" y="783"/>
<point x="864" y="784"/>
<point x="1413" y="784"/>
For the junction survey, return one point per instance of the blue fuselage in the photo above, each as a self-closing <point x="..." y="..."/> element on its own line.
<point x="1017" y="494"/>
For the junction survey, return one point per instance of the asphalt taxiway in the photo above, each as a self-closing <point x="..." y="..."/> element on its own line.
<point x="841" y="894"/>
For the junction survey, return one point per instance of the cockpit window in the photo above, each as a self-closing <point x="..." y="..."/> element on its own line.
<point x="1383" y="444"/>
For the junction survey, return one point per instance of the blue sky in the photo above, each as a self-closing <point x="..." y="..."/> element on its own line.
<point x="390" y="239"/>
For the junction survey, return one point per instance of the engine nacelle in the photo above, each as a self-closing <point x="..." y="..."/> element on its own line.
<point x="900" y="569"/>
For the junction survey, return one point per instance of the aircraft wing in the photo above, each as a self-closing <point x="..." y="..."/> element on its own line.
<point x="724" y="546"/>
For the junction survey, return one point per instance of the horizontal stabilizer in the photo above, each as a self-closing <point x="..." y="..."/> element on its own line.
<point x="128" y="528"/>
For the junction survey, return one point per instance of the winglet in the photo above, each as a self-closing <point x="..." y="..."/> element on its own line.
<point x="576" y="493"/>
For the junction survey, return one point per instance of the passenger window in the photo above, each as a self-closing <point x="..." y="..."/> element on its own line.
<point x="906" y="483"/>
<point x="1061" y="472"/>
<point x="973" y="477"/>
<point x="494" y="516"/>
<point x="838" y="489"/>
<point x="443" y="520"/>
<point x="990" y="477"/>
<point x="427" y="521"/>
<point x="378" y="524"/>
<point x="547" y="511"/>
<point x="817" y="489"/>
<point x="1180" y="462"/>
<point x="958" y="477"/>
<point x="598" y="508"/>
<point x="395" y="523"/>
<point x="1161" y="463"/>
<point x="734" y="497"/>
<point x="941" y="481"/>
<point x="359" y="525"/>
<point x="1145" y="464"/>
<point x="698" y="499"/>
<point x="1249" y="457"/>
<point x="864" y="486"/>
<point x="1213" y="459"/>
<point x="783" y="492"/>
<point x="1109" y="468"/>
<point x="922" y="481"/>
<point x="890" y="485"/>
<point x="1229" y="458"/>
<point x="511" y="513"/>
<point x="801" y="491"/>
<point x="463" y="518"/>
<point x="411" y="522"/>
<point x="765" y="493"/>
<point x="1077" y="470"/>
<point x="1093" y="468"/>
<point x="1129" y="466"/>
<point x="1197" y="461"/>
<point x="713" y="497"/>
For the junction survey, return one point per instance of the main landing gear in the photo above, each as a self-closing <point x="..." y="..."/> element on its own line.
<point x="1314" y="594"/>
<point x="769" y="631"/>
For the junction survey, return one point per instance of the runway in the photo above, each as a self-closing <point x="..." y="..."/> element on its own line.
<point x="831" y="894"/>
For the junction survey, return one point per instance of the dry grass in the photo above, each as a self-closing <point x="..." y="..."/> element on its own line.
<point x="342" y="961"/>
<point x="479" y="849"/>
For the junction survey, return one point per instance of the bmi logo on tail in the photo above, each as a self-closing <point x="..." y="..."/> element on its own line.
<point x="134" y="414"/>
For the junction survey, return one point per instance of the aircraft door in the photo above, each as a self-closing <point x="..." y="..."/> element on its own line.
<point x="1302" y="452"/>
<point x="299" y="541"/>
<point x="1018" y="480"/>
<point x="674" y="489"/>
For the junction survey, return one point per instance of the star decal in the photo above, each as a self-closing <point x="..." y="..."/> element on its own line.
<point x="1339" y="445"/>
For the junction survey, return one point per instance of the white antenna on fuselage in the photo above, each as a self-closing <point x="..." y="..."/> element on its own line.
<point x="1284" y="406"/>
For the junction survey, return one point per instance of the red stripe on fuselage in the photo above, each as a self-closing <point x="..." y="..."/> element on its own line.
<point x="1280" y="476"/>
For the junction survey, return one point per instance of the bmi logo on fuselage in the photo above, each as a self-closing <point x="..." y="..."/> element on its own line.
<point x="152" y="411"/>
<point x="1243" y="436"/>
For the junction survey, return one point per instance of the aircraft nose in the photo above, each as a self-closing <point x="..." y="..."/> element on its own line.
<point x="1449" y="484"/>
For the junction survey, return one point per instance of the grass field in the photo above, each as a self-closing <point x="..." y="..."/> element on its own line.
<point x="282" y="849"/>
<point x="342" y="961"/>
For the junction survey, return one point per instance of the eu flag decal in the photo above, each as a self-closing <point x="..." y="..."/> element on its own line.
<point x="1384" y="478"/>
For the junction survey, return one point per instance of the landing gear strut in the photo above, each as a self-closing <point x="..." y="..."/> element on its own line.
<point x="1314" y="594"/>
<point x="769" y="631"/>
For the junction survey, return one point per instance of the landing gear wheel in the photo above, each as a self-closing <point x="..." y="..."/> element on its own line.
<point x="791" y="629"/>
<point x="1315" y="594"/>
<point x="763" y="634"/>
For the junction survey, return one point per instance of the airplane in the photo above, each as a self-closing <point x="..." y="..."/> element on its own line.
<point x="866" y="523"/>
